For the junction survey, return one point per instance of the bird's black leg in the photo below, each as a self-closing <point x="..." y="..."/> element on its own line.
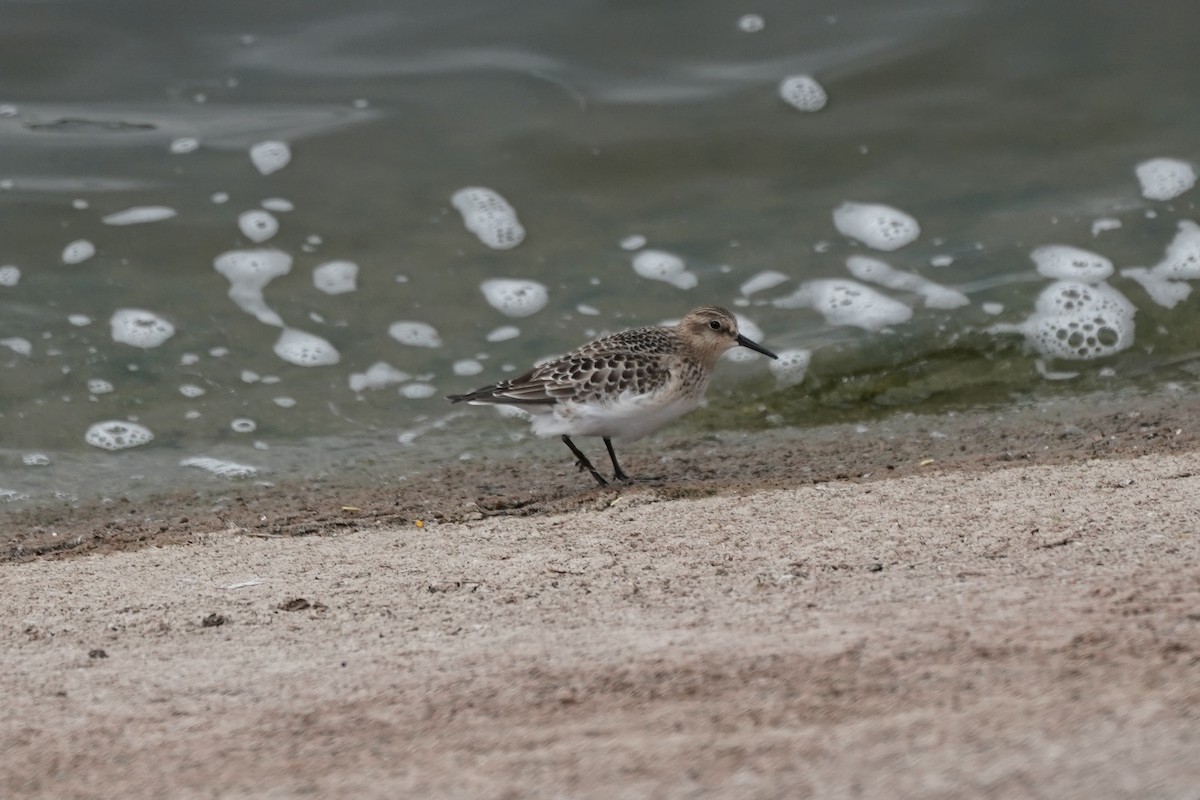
<point x="583" y="462"/>
<point x="618" y="473"/>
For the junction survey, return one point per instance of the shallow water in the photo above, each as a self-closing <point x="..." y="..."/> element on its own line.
<point x="608" y="131"/>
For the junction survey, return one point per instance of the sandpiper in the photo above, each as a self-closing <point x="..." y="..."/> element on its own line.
<point x="622" y="386"/>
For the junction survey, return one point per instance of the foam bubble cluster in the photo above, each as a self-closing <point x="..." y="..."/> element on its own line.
<point x="1065" y="263"/>
<point x="270" y="156"/>
<point x="336" y="277"/>
<point x="1078" y="321"/>
<point x="1165" y="178"/>
<point x="258" y="226"/>
<point x="1164" y="282"/>
<point x="140" y="328"/>
<point x="659" y="265"/>
<point x="220" y="468"/>
<point x="843" y="302"/>
<point x="378" y="375"/>
<point x="138" y="215"/>
<point x="417" y="391"/>
<point x="803" y="92"/>
<point x="415" y="334"/>
<point x="10" y="275"/>
<point x="515" y="298"/>
<point x="99" y="386"/>
<point x="305" y="349"/>
<point x="751" y="23"/>
<point x="791" y="366"/>
<point x="768" y="279"/>
<point x="78" y="251"/>
<point x="875" y="225"/>
<point x="248" y="273"/>
<point x="873" y="270"/>
<point x="18" y="345"/>
<point x="503" y="333"/>
<point x="117" y="435"/>
<point x="489" y="216"/>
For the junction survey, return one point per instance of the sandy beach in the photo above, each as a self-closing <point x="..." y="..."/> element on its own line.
<point x="990" y="605"/>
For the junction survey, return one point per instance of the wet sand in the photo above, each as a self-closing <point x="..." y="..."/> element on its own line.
<point x="1000" y="604"/>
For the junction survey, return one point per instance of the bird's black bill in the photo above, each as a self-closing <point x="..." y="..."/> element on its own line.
<point x="753" y="345"/>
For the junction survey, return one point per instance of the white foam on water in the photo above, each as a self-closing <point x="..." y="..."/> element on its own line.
<point x="875" y="225"/>
<point x="1065" y="263"/>
<point x="220" y="467"/>
<point x="1164" y="282"/>
<point x="1163" y="291"/>
<point x="750" y="23"/>
<point x="243" y="425"/>
<point x="415" y="334"/>
<point x="18" y="345"/>
<point x="802" y="92"/>
<point x="417" y="391"/>
<point x="258" y="226"/>
<point x="467" y="366"/>
<point x="791" y="367"/>
<point x="117" y="434"/>
<point x="1165" y="178"/>
<point x="35" y="460"/>
<point x="336" y="277"/>
<point x="191" y="390"/>
<point x="10" y="275"/>
<point x="1182" y="259"/>
<point x="513" y="297"/>
<point x="284" y="402"/>
<point x="99" y="386"/>
<point x="503" y="333"/>
<point x="1102" y="224"/>
<point x="935" y="295"/>
<point x="270" y="156"/>
<point x="248" y="273"/>
<point x="305" y="349"/>
<point x="183" y="145"/>
<point x="1078" y="321"/>
<point x="659" y="265"/>
<point x="378" y="375"/>
<point x="992" y="308"/>
<point x="843" y="302"/>
<point x="1052" y="375"/>
<point x="941" y="261"/>
<point x="79" y="320"/>
<point x="138" y="327"/>
<point x="767" y="279"/>
<point x="586" y="310"/>
<point x="78" y="251"/>
<point x="219" y="198"/>
<point x="138" y="215"/>
<point x="278" y="204"/>
<point x="489" y="216"/>
<point x="633" y="242"/>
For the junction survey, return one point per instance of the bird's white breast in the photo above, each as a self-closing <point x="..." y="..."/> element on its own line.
<point x="626" y="418"/>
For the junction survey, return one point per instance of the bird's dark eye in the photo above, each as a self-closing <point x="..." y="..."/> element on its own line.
<point x="715" y="324"/>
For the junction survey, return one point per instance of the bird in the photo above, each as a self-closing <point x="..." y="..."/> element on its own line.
<point x="622" y="386"/>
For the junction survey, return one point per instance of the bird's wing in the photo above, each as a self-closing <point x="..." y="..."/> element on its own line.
<point x="587" y="374"/>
